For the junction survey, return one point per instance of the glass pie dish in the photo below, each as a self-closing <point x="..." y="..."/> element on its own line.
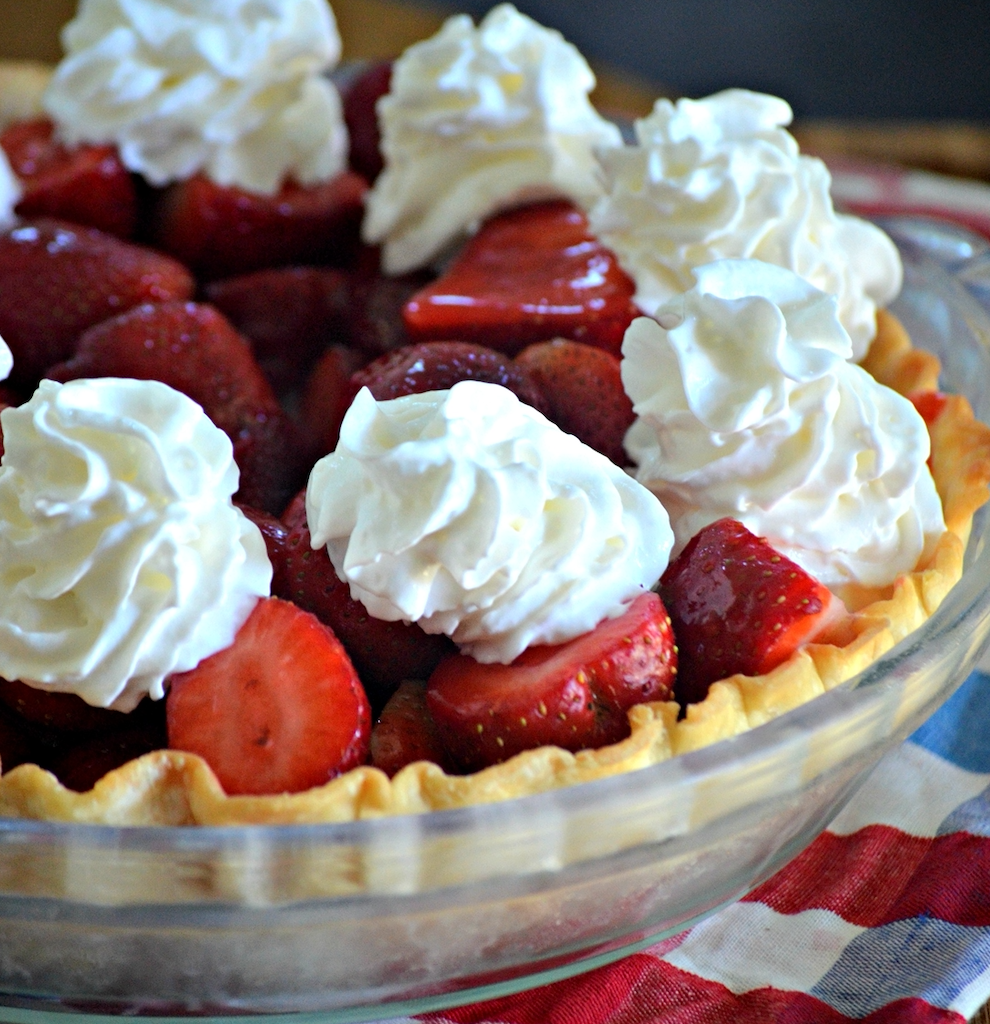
<point x="357" y="921"/>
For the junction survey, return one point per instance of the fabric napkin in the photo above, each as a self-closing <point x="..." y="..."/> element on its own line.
<point x="885" y="918"/>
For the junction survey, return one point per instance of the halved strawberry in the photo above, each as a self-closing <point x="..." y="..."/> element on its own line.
<point x="405" y="731"/>
<point x="57" y="279"/>
<point x="280" y="710"/>
<point x="583" y="389"/>
<point x="573" y="695"/>
<point x="528" y="275"/>
<point x="83" y="184"/>
<point x="439" y="365"/>
<point x="384" y="653"/>
<point x="359" y="97"/>
<point x="220" y="230"/>
<point x="375" y="322"/>
<point x="327" y="396"/>
<point x="289" y="314"/>
<point x="737" y="605"/>
<point x="194" y="349"/>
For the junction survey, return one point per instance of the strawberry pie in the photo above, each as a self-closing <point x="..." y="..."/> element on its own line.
<point x="425" y="445"/>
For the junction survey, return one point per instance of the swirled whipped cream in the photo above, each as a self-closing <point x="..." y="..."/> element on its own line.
<point x="233" y="88"/>
<point x="122" y="558"/>
<point x="10" y="191"/>
<point x="472" y="514"/>
<point x="747" y="407"/>
<point x="721" y="178"/>
<point x="479" y="120"/>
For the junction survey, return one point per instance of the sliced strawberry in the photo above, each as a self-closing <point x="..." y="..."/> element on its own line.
<point x="583" y="389"/>
<point x="737" y="605"/>
<point x="529" y="275"/>
<point x="359" y="97"/>
<point x="193" y="348"/>
<point x="220" y="230"/>
<point x="405" y="731"/>
<point x="327" y="396"/>
<point x="930" y="404"/>
<point x="58" y="279"/>
<point x="573" y="695"/>
<point x="280" y="710"/>
<point x="84" y="184"/>
<point x="439" y="365"/>
<point x="384" y="653"/>
<point x="289" y="314"/>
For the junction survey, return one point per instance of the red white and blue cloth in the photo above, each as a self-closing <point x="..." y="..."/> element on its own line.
<point x="885" y="918"/>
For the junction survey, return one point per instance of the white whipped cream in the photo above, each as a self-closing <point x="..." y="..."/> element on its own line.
<point x="720" y="178"/>
<point x="233" y="88"/>
<point x="10" y="191"/>
<point x="122" y="558"/>
<point x="6" y="360"/>
<point x="470" y="513"/>
<point x="747" y="407"/>
<point x="479" y="120"/>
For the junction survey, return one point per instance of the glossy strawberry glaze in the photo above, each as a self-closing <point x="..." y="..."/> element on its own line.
<point x="528" y="275"/>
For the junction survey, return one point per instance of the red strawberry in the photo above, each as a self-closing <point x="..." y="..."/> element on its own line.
<point x="405" y="731"/>
<point x="80" y="762"/>
<point x="583" y="389"/>
<point x="737" y="606"/>
<point x="280" y="710"/>
<point x="194" y="349"/>
<point x="221" y="230"/>
<point x="438" y="365"/>
<point x="384" y="653"/>
<point x="528" y="275"/>
<point x="64" y="712"/>
<point x="327" y="396"/>
<point x="85" y="184"/>
<point x="17" y="744"/>
<point x="359" y="97"/>
<point x="57" y="279"/>
<point x="375" y="304"/>
<point x="930" y="404"/>
<point x="289" y="314"/>
<point x="573" y="695"/>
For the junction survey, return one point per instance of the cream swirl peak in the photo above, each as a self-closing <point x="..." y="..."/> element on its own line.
<point x="10" y="191"/>
<point x="232" y="88"/>
<point x="122" y="558"/>
<point x="470" y="513"/>
<point x="748" y="407"/>
<point x="721" y="178"/>
<point x="478" y="120"/>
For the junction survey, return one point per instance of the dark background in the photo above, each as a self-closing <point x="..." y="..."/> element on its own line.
<point x="840" y="58"/>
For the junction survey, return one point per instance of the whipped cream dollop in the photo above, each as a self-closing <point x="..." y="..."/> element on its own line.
<point x="479" y="120"/>
<point x="233" y="88"/>
<point x="721" y="178"/>
<point x="747" y="406"/>
<point x="10" y="191"/>
<point x="470" y="513"/>
<point x="122" y="558"/>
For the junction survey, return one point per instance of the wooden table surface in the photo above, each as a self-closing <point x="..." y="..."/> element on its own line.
<point x="382" y="28"/>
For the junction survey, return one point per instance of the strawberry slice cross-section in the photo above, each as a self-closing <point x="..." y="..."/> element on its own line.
<point x="279" y="711"/>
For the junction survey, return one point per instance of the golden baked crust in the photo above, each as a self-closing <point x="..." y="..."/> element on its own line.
<point x="171" y="787"/>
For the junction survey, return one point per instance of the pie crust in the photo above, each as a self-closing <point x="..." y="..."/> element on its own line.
<point x="170" y="787"/>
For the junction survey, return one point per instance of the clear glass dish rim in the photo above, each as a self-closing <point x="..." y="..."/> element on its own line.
<point x="968" y="602"/>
